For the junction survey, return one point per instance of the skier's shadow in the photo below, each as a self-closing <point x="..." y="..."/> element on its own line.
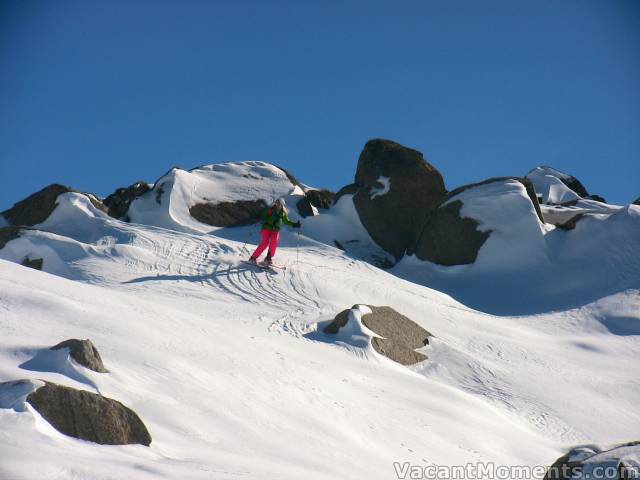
<point x="231" y="270"/>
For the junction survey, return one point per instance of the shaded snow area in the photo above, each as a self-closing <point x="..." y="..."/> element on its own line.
<point x="227" y="366"/>
<point x="341" y="226"/>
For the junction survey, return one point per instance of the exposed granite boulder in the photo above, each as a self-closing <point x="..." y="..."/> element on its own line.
<point x="37" y="207"/>
<point x="119" y="201"/>
<point x="395" y="186"/>
<point x="590" y="461"/>
<point x="83" y="352"/>
<point x="35" y="263"/>
<point x="571" y="223"/>
<point x="401" y="335"/>
<point x="320" y="198"/>
<point x="446" y="238"/>
<point x="7" y="234"/>
<point x="574" y="184"/>
<point x="350" y="189"/>
<point x="305" y="208"/>
<point x="88" y="416"/>
<point x="597" y="198"/>
<point x="228" y="214"/>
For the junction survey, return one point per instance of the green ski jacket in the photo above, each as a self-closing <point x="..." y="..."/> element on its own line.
<point x="272" y="220"/>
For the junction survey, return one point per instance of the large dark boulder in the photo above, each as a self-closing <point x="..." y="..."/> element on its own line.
<point x="118" y="202"/>
<point x="83" y="352"/>
<point x="228" y="214"/>
<point x="446" y="238"/>
<point x="37" y="207"/>
<point x="401" y="336"/>
<point x="395" y="186"/>
<point x="88" y="416"/>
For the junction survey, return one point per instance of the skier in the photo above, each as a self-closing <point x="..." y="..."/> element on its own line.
<point x="272" y="218"/>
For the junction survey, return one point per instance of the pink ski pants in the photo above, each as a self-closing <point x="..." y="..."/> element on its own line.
<point x="270" y="239"/>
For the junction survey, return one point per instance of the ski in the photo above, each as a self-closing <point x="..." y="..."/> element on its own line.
<point x="271" y="266"/>
<point x="264" y="266"/>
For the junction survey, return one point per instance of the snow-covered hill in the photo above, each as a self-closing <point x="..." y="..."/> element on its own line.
<point x="230" y="371"/>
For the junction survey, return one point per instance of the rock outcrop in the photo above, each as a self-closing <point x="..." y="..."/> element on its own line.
<point x="83" y="352"/>
<point x="449" y="239"/>
<point x="37" y="207"/>
<point x="119" y="201"/>
<point x="394" y="187"/>
<point x="88" y="416"/>
<point x="228" y="214"/>
<point x="401" y="336"/>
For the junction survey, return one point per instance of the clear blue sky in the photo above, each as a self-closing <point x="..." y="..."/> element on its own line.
<point x="99" y="94"/>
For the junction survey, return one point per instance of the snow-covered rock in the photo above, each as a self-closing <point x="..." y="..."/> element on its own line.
<point x="175" y="194"/>
<point x="493" y="224"/>
<point x="385" y="330"/>
<point x="556" y="186"/>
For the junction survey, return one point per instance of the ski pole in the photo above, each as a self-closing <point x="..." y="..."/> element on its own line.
<point x="247" y="240"/>
<point x="298" y="246"/>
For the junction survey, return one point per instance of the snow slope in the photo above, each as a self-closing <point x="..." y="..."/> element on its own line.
<point x="228" y="369"/>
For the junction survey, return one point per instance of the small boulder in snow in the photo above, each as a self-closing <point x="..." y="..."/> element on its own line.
<point x="88" y="416"/>
<point x="620" y="462"/>
<point x="322" y="198"/>
<point x="394" y="186"/>
<point x="119" y="201"/>
<point x="397" y="336"/>
<point x="228" y="214"/>
<point x="84" y="353"/>
<point x="7" y="234"/>
<point x="35" y="263"/>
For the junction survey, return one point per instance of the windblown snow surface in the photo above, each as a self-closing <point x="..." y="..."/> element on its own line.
<point x="228" y="367"/>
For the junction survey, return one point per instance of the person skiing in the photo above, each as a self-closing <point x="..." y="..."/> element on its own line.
<point x="272" y="218"/>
